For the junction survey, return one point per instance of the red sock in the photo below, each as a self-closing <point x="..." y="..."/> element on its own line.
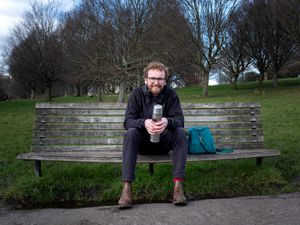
<point x="177" y="179"/>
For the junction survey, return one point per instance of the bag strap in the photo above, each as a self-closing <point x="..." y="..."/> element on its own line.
<point x="224" y="150"/>
<point x="201" y="143"/>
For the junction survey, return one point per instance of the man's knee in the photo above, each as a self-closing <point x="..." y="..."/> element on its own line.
<point x="132" y="133"/>
<point x="180" y="133"/>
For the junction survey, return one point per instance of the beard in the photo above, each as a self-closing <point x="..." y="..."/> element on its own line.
<point x="155" y="89"/>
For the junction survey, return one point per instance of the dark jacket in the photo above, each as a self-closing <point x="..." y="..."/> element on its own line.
<point x="140" y="107"/>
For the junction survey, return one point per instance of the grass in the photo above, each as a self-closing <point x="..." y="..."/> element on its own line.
<point x="84" y="184"/>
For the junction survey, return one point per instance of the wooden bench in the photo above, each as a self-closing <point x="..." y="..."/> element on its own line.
<point x="93" y="132"/>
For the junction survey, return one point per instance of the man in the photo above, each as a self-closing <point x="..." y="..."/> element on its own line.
<point x="139" y="125"/>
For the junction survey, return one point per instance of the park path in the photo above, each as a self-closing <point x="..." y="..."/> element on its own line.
<point x="280" y="209"/>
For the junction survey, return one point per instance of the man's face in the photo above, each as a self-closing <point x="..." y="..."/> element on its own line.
<point x="156" y="81"/>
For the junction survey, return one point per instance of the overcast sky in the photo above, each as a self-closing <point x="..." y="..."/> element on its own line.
<point x="11" y="12"/>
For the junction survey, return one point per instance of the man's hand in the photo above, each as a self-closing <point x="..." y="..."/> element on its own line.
<point x="156" y="127"/>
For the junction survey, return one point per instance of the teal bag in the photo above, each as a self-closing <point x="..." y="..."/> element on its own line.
<point x="200" y="141"/>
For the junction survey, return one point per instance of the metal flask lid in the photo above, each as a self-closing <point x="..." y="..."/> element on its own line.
<point x="157" y="109"/>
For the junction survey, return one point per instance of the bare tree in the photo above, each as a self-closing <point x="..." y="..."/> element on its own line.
<point x="169" y="40"/>
<point x="208" y="21"/>
<point x="87" y="35"/>
<point x="127" y="50"/>
<point x="24" y="67"/>
<point x="281" y="48"/>
<point x="236" y="57"/>
<point x="36" y="50"/>
<point x="287" y="13"/>
<point x="253" y="29"/>
<point x="270" y="47"/>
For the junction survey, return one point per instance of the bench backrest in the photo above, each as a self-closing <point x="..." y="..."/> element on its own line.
<point x="99" y="126"/>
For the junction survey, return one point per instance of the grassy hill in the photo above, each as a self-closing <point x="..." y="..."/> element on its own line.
<point x="83" y="184"/>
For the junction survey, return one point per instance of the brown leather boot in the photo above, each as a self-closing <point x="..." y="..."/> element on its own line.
<point x="178" y="197"/>
<point x="125" y="202"/>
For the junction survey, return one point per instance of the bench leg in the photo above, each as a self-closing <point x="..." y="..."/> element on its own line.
<point x="37" y="168"/>
<point x="151" y="168"/>
<point x="259" y="161"/>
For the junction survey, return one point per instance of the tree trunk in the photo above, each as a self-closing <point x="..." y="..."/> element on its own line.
<point x="99" y="93"/>
<point x="274" y="78"/>
<point x="235" y="82"/>
<point x="78" y="91"/>
<point x="261" y="75"/>
<point x="49" y="92"/>
<point x="265" y="76"/>
<point x="122" y="88"/>
<point x="66" y="90"/>
<point x="205" y="85"/>
<point x="32" y="93"/>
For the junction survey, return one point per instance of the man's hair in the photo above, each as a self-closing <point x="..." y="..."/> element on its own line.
<point x="156" y="65"/>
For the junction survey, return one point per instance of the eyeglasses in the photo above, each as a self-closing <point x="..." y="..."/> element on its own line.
<point x="159" y="79"/>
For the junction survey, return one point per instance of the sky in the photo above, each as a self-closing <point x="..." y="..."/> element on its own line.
<point x="11" y="12"/>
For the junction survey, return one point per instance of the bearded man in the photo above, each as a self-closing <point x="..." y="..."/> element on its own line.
<point x="139" y="126"/>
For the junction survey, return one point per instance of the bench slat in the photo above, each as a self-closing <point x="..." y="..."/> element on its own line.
<point x="112" y="133"/>
<point x="123" y="105"/>
<point x="83" y="133"/>
<point x="121" y="112"/>
<point x="81" y="112"/>
<point x="212" y="125"/>
<point x="80" y="105"/>
<point x="112" y="126"/>
<point x="86" y="141"/>
<point x="60" y="148"/>
<point x="82" y="157"/>
<point x="209" y="112"/>
<point x="80" y="119"/>
<point x="228" y="105"/>
<point x="67" y="148"/>
<point x="119" y="126"/>
<point x="95" y="141"/>
<point x="111" y="119"/>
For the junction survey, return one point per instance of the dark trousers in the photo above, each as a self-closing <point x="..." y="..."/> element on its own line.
<point x="137" y="141"/>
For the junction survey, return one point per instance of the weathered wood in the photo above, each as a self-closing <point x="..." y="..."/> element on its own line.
<point x="209" y="112"/>
<point x="123" y="105"/>
<point x="115" y="141"/>
<point x="80" y="119"/>
<point x="218" y="125"/>
<point x="118" y="119"/>
<point x="93" y="132"/>
<point x="69" y="148"/>
<point x="120" y="133"/>
<point x="220" y="105"/>
<point x="81" y="112"/>
<point x="119" y="126"/>
<point x="79" y="126"/>
<point x="60" y="148"/>
<point x="82" y="134"/>
<point x="107" y="141"/>
<point x="80" y="105"/>
<point x="117" y="157"/>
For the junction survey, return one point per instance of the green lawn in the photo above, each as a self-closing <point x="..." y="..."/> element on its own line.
<point x="83" y="184"/>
